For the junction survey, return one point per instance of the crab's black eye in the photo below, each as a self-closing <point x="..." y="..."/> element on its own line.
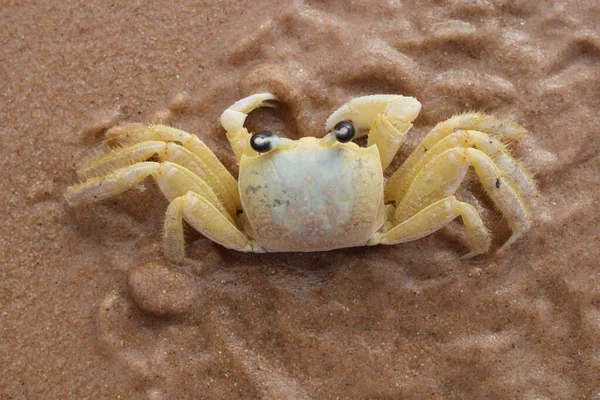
<point x="344" y="131"/>
<point x="261" y="141"/>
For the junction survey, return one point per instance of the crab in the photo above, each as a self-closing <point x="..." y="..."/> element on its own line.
<point x="317" y="194"/>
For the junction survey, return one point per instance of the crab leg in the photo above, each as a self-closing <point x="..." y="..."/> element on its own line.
<point x="191" y="198"/>
<point x="198" y="158"/>
<point x="173" y="180"/>
<point x="120" y="158"/>
<point x="440" y="179"/>
<point x="442" y="176"/>
<point x="234" y="117"/>
<point x="401" y="179"/>
<point x="202" y="215"/>
<point x="386" y="118"/>
<point x="502" y="193"/>
<point x="511" y="169"/>
<point x="159" y="140"/>
<point x="225" y="190"/>
<point x="434" y="217"/>
<point x="100" y="188"/>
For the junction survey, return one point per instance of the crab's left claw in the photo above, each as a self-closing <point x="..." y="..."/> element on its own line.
<point x="234" y="117"/>
<point x="386" y="118"/>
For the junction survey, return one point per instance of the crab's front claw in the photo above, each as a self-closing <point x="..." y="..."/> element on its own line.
<point x="363" y="111"/>
<point x="386" y="118"/>
<point x="234" y="117"/>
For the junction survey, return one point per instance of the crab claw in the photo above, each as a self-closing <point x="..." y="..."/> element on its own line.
<point x="234" y="117"/>
<point x="386" y="118"/>
<point x="363" y="111"/>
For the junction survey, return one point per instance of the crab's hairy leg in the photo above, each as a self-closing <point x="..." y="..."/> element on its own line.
<point x="195" y="170"/>
<point x="399" y="181"/>
<point x="434" y="217"/>
<point x="206" y="219"/>
<point x="228" y="195"/>
<point x="233" y="119"/>
<point x="439" y="179"/>
<point x="103" y="187"/>
<point x="199" y="159"/>
<point x="503" y="194"/>
<point x="120" y="158"/>
<point x="173" y="180"/>
<point x="386" y="118"/>
<point x="521" y="179"/>
<point x="173" y="234"/>
<point x="442" y="176"/>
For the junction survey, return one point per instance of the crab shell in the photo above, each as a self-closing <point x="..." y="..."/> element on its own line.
<point x="312" y="194"/>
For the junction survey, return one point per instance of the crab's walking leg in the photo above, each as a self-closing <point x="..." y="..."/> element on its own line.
<point x="439" y="180"/>
<point x="173" y="180"/>
<point x="206" y="219"/>
<point x="143" y="142"/>
<point x="401" y="179"/>
<point x="234" y="117"/>
<point x="510" y="167"/>
<point x="100" y="188"/>
<point x="434" y="217"/>
<point x="386" y="118"/>
<point x="191" y="199"/>
<point x="442" y="176"/>
<point x="503" y="194"/>
<point x="122" y="157"/>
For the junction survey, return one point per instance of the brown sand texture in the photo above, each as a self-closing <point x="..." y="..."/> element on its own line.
<point x="90" y="309"/>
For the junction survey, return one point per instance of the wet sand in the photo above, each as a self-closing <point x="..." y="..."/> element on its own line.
<point x="89" y="308"/>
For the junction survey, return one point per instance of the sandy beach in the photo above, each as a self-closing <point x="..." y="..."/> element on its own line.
<point x="91" y="309"/>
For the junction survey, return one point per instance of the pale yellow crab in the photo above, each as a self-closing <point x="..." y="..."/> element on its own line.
<point x="317" y="194"/>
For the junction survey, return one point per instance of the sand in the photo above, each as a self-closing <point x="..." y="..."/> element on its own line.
<point x="89" y="308"/>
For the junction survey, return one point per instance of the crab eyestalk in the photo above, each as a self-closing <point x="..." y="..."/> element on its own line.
<point x="265" y="141"/>
<point x="261" y="142"/>
<point x="343" y="132"/>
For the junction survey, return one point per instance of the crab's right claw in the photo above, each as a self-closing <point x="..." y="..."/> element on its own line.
<point x="386" y="118"/>
<point x="363" y="111"/>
